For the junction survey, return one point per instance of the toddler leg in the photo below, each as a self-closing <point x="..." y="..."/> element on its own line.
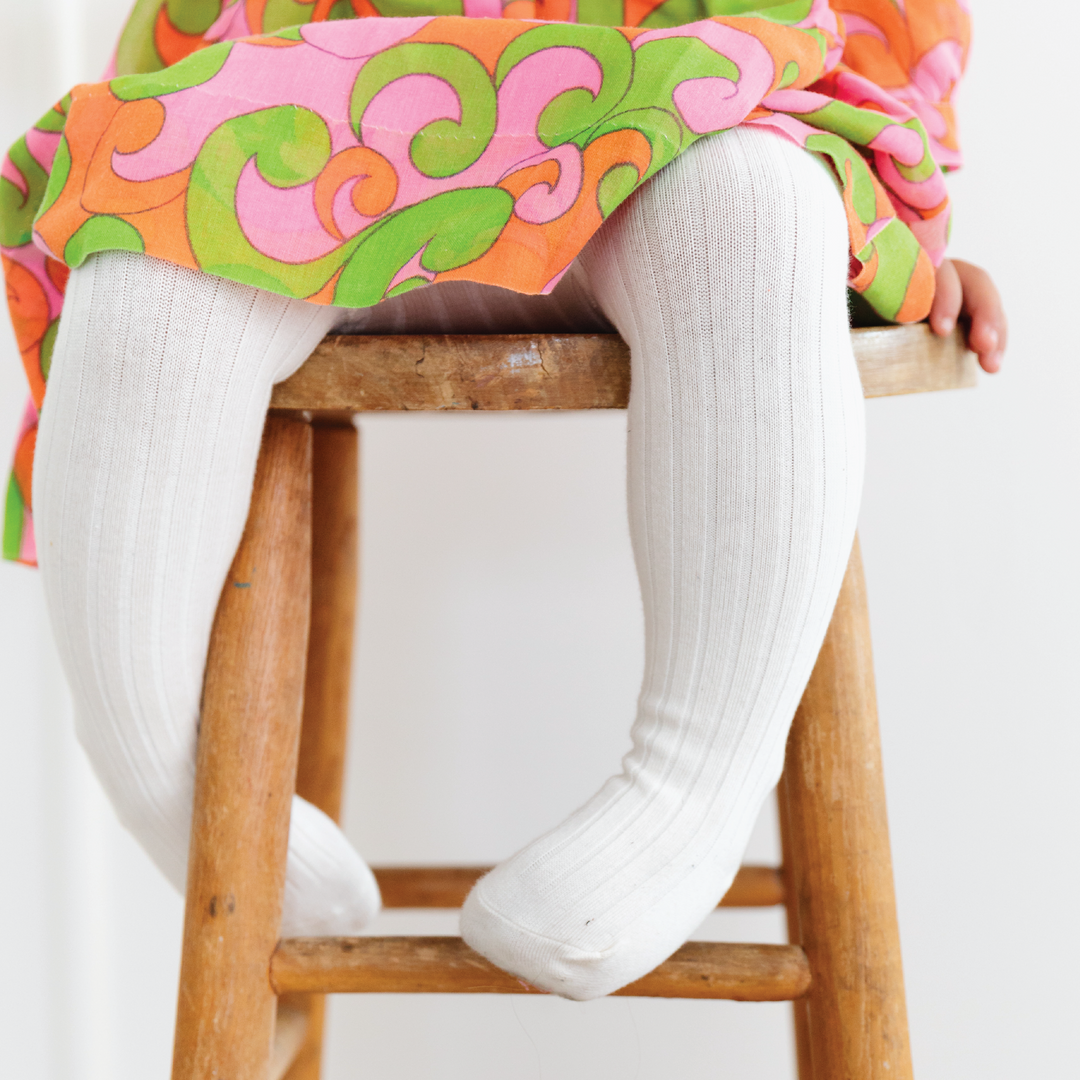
<point x="726" y="276"/>
<point x="160" y="381"/>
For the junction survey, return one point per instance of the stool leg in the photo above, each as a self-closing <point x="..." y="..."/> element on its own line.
<point x="334" y="549"/>
<point x="839" y="864"/>
<point x="799" y="1015"/>
<point x="248" y="740"/>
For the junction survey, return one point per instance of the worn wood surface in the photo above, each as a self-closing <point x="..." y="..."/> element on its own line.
<point x="800" y="1020"/>
<point x="447" y="886"/>
<point x="446" y="965"/>
<point x="334" y="545"/>
<point x="323" y="737"/>
<point x="912" y="360"/>
<point x="837" y="852"/>
<point x="359" y="373"/>
<point x="248" y="742"/>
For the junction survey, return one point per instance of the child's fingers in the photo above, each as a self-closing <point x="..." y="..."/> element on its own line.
<point x="948" y="298"/>
<point x="989" y="327"/>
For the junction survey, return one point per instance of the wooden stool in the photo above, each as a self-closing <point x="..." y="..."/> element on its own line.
<point x="250" y="1006"/>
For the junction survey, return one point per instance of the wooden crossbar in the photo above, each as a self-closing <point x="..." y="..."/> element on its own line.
<point x="446" y="965"/>
<point x="447" y="886"/>
<point x="351" y="373"/>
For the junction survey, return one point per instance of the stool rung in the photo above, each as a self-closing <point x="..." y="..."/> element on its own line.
<point x="446" y="965"/>
<point x="447" y="886"/>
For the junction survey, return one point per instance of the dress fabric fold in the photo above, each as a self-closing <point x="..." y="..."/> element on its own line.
<point x="346" y="151"/>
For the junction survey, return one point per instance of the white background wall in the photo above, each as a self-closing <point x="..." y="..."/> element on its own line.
<point x="500" y="648"/>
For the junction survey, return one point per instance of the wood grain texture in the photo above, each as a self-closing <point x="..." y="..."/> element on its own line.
<point x="837" y="850"/>
<point x="800" y="1021"/>
<point x="446" y="965"/>
<point x="334" y="553"/>
<point x="912" y="360"/>
<point x="246" y="769"/>
<point x="359" y="373"/>
<point x="447" y="886"/>
<point x="324" y="735"/>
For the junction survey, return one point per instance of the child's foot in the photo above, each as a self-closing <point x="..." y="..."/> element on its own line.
<point x="617" y="888"/>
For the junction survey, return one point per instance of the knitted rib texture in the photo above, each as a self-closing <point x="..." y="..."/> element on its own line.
<point x="726" y="277"/>
<point x="160" y="382"/>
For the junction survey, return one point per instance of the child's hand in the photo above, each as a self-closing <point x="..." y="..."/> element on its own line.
<point x="968" y="290"/>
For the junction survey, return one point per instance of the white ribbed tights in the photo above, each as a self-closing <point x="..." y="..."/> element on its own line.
<point x="726" y="276"/>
